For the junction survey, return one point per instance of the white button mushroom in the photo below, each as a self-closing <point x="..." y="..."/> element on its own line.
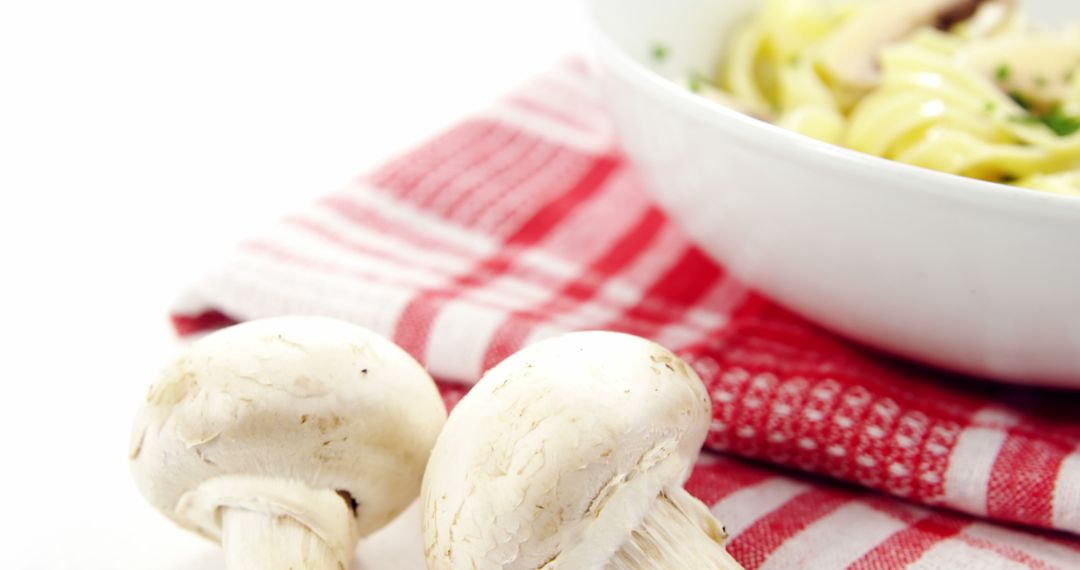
<point x="850" y="57"/>
<point x="287" y="439"/>
<point x="572" y="454"/>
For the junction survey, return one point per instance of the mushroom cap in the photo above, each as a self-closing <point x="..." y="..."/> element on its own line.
<point x="281" y="406"/>
<point x="558" y="453"/>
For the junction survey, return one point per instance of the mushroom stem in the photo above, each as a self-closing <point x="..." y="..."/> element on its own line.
<point x="263" y="541"/>
<point x="678" y="532"/>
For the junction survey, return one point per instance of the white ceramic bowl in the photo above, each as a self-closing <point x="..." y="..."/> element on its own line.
<point x="974" y="276"/>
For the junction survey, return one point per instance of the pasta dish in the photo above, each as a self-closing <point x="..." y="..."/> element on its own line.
<point x="966" y="87"/>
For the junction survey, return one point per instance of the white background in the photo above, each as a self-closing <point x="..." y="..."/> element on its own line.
<point x="140" y="139"/>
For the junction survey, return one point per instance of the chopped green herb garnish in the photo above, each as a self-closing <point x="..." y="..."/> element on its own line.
<point x="989" y="106"/>
<point x="1021" y="99"/>
<point x="696" y="81"/>
<point x="1026" y="118"/>
<point x="1003" y="72"/>
<point x="1062" y="124"/>
<point x="1041" y="81"/>
<point x="1068" y="77"/>
<point x="659" y="52"/>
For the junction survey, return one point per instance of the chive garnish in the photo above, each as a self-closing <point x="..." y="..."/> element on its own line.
<point x="659" y="52"/>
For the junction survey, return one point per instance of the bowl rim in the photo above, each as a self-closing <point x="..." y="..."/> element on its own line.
<point x="778" y="140"/>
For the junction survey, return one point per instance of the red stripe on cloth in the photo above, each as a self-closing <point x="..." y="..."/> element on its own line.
<point x="510" y="335"/>
<point x="480" y="162"/>
<point x="360" y="249"/>
<point x="1008" y="552"/>
<point x="416" y="319"/>
<point x="401" y="177"/>
<point x="360" y="273"/>
<point x="671" y="294"/>
<point x="908" y="545"/>
<point x="753" y="546"/>
<point x="556" y="115"/>
<point x="414" y="324"/>
<point x="816" y="423"/>
<point x="508" y="184"/>
<point x="185" y="325"/>
<point x="545" y="220"/>
<point x="364" y="215"/>
<point x="713" y="482"/>
<point x="565" y="95"/>
<point x="452" y="393"/>
<point x="790" y="393"/>
<point x="1022" y="481"/>
<point x="308" y="262"/>
<point x="928" y="529"/>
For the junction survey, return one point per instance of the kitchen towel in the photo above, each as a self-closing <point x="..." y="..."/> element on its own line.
<point x="525" y="221"/>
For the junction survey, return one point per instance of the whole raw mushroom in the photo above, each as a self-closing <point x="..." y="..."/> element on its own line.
<point x="572" y="454"/>
<point x="287" y="439"/>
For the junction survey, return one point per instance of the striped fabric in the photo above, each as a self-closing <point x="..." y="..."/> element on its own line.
<point x="525" y="221"/>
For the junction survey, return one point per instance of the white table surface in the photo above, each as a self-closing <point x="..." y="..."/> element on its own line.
<point x="138" y="140"/>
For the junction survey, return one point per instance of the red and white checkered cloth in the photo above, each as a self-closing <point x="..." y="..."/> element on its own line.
<point x="525" y="221"/>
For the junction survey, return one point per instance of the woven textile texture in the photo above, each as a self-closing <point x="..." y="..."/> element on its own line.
<point x="525" y="221"/>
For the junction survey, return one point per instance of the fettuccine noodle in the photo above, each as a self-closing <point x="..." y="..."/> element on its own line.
<point x="987" y="97"/>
